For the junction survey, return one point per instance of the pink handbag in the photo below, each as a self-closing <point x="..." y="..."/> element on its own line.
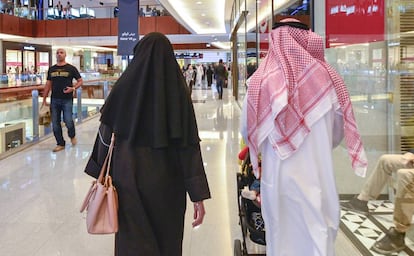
<point x="101" y="201"/>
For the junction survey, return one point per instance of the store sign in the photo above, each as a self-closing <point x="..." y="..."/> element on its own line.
<point x="128" y="33"/>
<point x="29" y="48"/>
<point x="354" y="21"/>
<point x="186" y="55"/>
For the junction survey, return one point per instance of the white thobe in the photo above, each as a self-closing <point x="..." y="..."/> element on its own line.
<point x="200" y="73"/>
<point x="300" y="204"/>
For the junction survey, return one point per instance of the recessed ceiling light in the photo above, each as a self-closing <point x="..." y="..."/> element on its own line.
<point x="196" y="23"/>
<point x="203" y="14"/>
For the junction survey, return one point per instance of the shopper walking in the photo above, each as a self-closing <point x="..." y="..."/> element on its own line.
<point x="157" y="158"/>
<point x="297" y="110"/>
<point x="209" y="74"/>
<point x="220" y="72"/>
<point x="200" y="75"/>
<point x="60" y="80"/>
<point x="189" y="77"/>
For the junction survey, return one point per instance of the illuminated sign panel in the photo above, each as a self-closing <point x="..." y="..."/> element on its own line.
<point x="354" y="21"/>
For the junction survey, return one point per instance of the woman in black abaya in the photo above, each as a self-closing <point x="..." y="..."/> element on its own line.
<point x="157" y="157"/>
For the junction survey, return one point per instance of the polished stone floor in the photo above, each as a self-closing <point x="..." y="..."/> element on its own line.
<point x="41" y="192"/>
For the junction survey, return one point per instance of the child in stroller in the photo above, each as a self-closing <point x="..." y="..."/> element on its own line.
<point x="251" y="192"/>
<point x="251" y="221"/>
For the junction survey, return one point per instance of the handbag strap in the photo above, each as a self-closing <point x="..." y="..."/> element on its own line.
<point x="107" y="162"/>
<point x="111" y="149"/>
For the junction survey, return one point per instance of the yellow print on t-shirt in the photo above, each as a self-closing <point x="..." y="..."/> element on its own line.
<point x="59" y="73"/>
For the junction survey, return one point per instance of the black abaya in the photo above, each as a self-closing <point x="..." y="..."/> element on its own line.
<point x="153" y="167"/>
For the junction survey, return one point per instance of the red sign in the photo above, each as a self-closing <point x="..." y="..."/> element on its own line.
<point x="264" y="38"/>
<point x="14" y="64"/>
<point x="354" y="21"/>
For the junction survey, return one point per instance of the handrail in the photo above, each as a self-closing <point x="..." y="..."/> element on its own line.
<point x="20" y="88"/>
<point x="19" y="111"/>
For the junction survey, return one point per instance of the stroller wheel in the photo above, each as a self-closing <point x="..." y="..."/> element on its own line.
<point x="237" y="248"/>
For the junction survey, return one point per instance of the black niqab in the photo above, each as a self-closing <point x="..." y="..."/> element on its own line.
<point x="150" y="104"/>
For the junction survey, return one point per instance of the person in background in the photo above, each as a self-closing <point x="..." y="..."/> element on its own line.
<point x="68" y="10"/>
<point x="189" y="77"/>
<point x="204" y="72"/>
<point x="220" y="73"/>
<point x="403" y="168"/>
<point x="297" y="109"/>
<point x="148" y="11"/>
<point x="157" y="158"/>
<point x="209" y="74"/>
<point x="199" y="76"/>
<point x="251" y="68"/>
<point x="60" y="81"/>
<point x="59" y="7"/>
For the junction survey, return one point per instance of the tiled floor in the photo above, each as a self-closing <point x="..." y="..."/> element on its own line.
<point x="41" y="192"/>
<point x="364" y="231"/>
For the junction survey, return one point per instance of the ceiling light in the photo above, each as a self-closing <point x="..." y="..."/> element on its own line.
<point x="222" y="45"/>
<point x="184" y="12"/>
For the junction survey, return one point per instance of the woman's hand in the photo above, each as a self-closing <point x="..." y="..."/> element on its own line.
<point x="199" y="213"/>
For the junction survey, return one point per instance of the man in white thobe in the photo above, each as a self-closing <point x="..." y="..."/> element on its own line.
<point x="296" y="111"/>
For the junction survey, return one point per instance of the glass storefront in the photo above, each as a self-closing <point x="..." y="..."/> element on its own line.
<point x="241" y="60"/>
<point x="42" y="65"/>
<point x="25" y="63"/>
<point x="371" y="45"/>
<point x="13" y="64"/>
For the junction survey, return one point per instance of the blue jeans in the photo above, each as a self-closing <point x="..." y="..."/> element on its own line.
<point x="220" y="83"/>
<point x="57" y="107"/>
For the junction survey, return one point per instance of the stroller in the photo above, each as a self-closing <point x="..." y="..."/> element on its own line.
<point x="251" y="220"/>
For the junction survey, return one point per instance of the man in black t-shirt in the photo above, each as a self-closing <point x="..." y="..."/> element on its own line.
<point x="60" y="80"/>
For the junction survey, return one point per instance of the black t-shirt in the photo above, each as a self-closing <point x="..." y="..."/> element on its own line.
<point x="62" y="77"/>
<point x="221" y="71"/>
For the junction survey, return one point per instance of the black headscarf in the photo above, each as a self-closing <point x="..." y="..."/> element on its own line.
<point x="150" y="104"/>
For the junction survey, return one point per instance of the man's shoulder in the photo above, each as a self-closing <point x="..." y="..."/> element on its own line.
<point x="72" y="67"/>
<point x="69" y="65"/>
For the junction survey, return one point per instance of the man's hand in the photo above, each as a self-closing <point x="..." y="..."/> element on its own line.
<point x="69" y="89"/>
<point x="199" y="213"/>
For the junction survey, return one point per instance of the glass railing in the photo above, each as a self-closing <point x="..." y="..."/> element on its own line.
<point x="21" y="79"/>
<point x="20" y="103"/>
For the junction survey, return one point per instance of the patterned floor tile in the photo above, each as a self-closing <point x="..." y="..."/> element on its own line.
<point x="364" y="231"/>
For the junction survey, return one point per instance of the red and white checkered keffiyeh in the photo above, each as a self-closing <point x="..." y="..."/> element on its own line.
<point x="287" y="88"/>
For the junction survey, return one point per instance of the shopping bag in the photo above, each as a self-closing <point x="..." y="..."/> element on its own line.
<point x="44" y="116"/>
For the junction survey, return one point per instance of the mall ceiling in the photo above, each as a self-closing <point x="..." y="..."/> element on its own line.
<point x="207" y="20"/>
